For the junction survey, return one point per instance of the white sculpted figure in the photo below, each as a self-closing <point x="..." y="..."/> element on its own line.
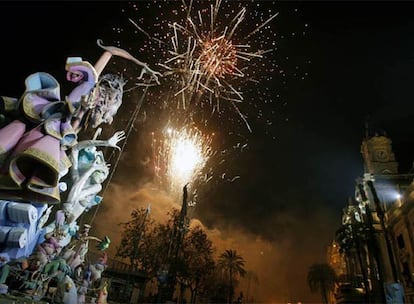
<point x="89" y="171"/>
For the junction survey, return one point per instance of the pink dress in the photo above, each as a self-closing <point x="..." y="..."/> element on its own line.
<point x="32" y="147"/>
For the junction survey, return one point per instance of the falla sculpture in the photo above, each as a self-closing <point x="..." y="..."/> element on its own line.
<point x="49" y="178"/>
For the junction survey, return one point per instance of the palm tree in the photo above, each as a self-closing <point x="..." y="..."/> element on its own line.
<point x="322" y="278"/>
<point x="232" y="266"/>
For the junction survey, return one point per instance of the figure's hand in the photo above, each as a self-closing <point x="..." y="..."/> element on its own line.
<point x="122" y="53"/>
<point x="153" y="74"/>
<point x="117" y="137"/>
<point x="88" y="101"/>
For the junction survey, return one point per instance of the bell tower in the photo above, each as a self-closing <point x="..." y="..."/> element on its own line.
<point x="378" y="155"/>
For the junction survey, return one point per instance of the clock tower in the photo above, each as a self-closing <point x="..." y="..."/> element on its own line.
<point x="378" y="155"/>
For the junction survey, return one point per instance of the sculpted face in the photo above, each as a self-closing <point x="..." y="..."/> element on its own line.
<point x="98" y="177"/>
<point x="74" y="76"/>
<point x="108" y="100"/>
<point x="103" y="114"/>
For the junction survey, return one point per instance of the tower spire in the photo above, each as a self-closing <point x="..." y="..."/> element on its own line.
<point x="367" y="127"/>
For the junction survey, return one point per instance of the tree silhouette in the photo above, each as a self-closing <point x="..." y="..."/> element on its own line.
<point x="197" y="257"/>
<point x="322" y="278"/>
<point x="169" y="252"/>
<point x="133" y="245"/>
<point x="231" y="266"/>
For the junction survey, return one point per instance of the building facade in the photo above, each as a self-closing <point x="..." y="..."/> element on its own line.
<point x="376" y="238"/>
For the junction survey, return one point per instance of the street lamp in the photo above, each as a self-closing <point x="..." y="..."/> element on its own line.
<point x="381" y="216"/>
<point x="392" y="291"/>
<point x="167" y="275"/>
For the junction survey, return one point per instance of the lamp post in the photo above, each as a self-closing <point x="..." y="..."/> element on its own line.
<point x="381" y="216"/>
<point x="391" y="290"/>
<point x="168" y="275"/>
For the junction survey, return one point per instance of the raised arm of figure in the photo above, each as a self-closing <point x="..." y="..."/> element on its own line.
<point x="111" y="142"/>
<point x="112" y="50"/>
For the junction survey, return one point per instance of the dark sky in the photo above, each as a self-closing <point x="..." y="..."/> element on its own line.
<point x="356" y="59"/>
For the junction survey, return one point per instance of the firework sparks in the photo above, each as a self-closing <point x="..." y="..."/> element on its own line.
<point x="207" y="58"/>
<point x="180" y="156"/>
<point x="217" y="58"/>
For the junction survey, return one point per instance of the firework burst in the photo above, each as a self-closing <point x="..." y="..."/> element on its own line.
<point x="206" y="59"/>
<point x="216" y="64"/>
<point x="180" y="156"/>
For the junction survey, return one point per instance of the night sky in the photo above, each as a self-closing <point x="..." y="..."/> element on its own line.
<point x="337" y="66"/>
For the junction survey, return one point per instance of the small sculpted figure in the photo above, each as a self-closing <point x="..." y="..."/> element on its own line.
<point x="76" y="251"/>
<point x="103" y="294"/>
<point x="61" y="229"/>
<point x="82" y="290"/>
<point x="45" y="216"/>
<point x="89" y="171"/>
<point x="66" y="291"/>
<point x="47" y="250"/>
<point x="97" y="269"/>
